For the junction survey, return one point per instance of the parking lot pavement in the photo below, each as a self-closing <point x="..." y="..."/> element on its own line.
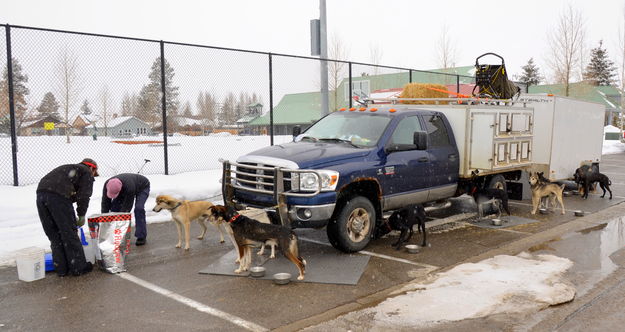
<point x="162" y="289"/>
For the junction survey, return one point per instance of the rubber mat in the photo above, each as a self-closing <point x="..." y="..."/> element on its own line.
<point x="324" y="264"/>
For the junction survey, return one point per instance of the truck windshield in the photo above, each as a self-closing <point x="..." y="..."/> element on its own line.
<point x="358" y="129"/>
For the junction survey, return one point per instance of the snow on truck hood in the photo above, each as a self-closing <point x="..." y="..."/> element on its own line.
<point x="304" y="154"/>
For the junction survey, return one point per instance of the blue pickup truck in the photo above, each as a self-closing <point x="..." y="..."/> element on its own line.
<point x="353" y="165"/>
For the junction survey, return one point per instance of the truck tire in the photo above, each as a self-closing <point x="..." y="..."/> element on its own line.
<point x="353" y="226"/>
<point x="498" y="182"/>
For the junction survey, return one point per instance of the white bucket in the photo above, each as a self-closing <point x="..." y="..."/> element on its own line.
<point x="31" y="264"/>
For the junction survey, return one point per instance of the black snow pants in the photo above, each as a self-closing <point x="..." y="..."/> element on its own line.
<point x="59" y="223"/>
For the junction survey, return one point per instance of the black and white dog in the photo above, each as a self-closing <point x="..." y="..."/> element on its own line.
<point x="403" y="220"/>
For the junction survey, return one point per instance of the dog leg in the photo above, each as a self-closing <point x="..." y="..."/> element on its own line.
<point x="241" y="251"/>
<point x="187" y="235"/>
<point x="290" y="250"/>
<point x="262" y="250"/>
<point x="178" y="228"/>
<point x="221" y="233"/>
<point x="535" y="203"/>
<point x="204" y="228"/>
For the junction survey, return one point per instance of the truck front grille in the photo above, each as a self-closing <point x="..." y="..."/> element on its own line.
<point x="260" y="177"/>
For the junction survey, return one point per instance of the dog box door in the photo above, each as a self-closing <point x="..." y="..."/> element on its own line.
<point x="482" y="136"/>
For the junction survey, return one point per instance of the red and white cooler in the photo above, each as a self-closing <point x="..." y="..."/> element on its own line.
<point x="111" y="233"/>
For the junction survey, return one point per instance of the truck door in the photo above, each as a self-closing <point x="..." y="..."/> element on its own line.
<point x="443" y="156"/>
<point x="405" y="173"/>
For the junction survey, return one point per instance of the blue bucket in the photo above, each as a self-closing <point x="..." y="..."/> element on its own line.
<point x="49" y="262"/>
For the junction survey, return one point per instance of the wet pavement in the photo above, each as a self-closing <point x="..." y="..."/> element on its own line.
<point x="163" y="290"/>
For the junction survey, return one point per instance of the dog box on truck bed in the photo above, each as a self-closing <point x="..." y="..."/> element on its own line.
<point x="491" y="139"/>
<point x="567" y="134"/>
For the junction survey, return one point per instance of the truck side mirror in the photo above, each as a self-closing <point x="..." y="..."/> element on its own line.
<point x="296" y="131"/>
<point x="420" y="140"/>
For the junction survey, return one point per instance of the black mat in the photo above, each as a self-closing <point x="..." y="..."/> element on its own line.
<point x="324" y="264"/>
<point x="506" y="221"/>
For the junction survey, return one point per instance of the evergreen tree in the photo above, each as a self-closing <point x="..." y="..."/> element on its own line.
<point x="149" y="106"/>
<point x="85" y="109"/>
<point x="531" y="74"/>
<point x="49" y="106"/>
<point x="600" y="70"/>
<point x="20" y="91"/>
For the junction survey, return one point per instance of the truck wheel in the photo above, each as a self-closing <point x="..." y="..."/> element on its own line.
<point x="351" y="230"/>
<point x="498" y="182"/>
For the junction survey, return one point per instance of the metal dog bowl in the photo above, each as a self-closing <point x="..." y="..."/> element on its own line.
<point x="496" y="222"/>
<point x="282" y="278"/>
<point x="412" y="248"/>
<point x="567" y="193"/>
<point x="579" y="213"/>
<point x="543" y="211"/>
<point x="575" y="192"/>
<point x="257" y="271"/>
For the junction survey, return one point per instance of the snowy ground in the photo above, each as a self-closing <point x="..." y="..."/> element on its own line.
<point x="534" y="279"/>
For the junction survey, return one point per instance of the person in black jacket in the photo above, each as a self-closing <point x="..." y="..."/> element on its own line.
<point x="56" y="193"/>
<point x="120" y="192"/>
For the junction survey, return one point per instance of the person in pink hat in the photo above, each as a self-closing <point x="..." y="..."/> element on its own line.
<point x="121" y="192"/>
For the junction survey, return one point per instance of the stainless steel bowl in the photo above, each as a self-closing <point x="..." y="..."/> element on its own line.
<point x="567" y="193"/>
<point x="257" y="271"/>
<point x="579" y="213"/>
<point x="282" y="278"/>
<point x="543" y="211"/>
<point x="496" y="222"/>
<point x="412" y="248"/>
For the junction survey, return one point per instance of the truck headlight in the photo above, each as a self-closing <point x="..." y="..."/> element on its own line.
<point x="310" y="181"/>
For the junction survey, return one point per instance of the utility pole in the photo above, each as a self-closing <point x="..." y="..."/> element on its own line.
<point x="323" y="43"/>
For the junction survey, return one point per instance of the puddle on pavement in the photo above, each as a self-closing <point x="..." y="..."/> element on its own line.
<point x="590" y="250"/>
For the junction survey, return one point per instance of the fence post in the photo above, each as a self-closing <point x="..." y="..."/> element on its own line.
<point x="350" y="84"/>
<point x="270" y="99"/>
<point x="164" y="106"/>
<point x="457" y="83"/>
<point x="410" y="76"/>
<point x="11" y="105"/>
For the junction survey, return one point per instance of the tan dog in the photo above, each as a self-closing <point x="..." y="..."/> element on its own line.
<point x="183" y="213"/>
<point x="541" y="189"/>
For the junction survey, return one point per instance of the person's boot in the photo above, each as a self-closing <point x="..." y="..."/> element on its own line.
<point x="140" y="241"/>
<point x="88" y="268"/>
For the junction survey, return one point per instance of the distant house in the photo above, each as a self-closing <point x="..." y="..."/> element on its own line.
<point x="121" y="126"/>
<point x="37" y="127"/>
<point x="82" y="121"/>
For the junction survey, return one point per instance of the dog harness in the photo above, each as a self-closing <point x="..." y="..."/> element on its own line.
<point x="234" y="218"/>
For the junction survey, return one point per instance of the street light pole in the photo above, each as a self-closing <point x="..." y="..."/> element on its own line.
<point x="323" y="43"/>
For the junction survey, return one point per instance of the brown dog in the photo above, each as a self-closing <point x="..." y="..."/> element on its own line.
<point x="541" y="189"/>
<point x="248" y="232"/>
<point x="183" y="213"/>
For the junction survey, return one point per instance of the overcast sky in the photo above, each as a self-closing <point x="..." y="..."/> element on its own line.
<point x="406" y="31"/>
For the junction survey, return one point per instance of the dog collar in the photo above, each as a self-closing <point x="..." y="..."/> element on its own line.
<point x="175" y="207"/>
<point x="234" y="218"/>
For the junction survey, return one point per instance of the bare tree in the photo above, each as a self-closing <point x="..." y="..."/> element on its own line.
<point x="445" y="50"/>
<point x="68" y="88"/>
<point x="336" y="69"/>
<point x="105" y="99"/>
<point x="566" y="41"/>
<point x="207" y="108"/>
<point x="375" y="56"/>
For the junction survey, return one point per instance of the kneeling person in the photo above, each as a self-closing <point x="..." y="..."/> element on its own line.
<point x="119" y="194"/>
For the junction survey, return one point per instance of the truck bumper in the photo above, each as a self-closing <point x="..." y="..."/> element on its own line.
<point x="310" y="216"/>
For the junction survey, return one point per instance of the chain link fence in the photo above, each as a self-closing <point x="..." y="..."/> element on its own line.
<point x="137" y="105"/>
